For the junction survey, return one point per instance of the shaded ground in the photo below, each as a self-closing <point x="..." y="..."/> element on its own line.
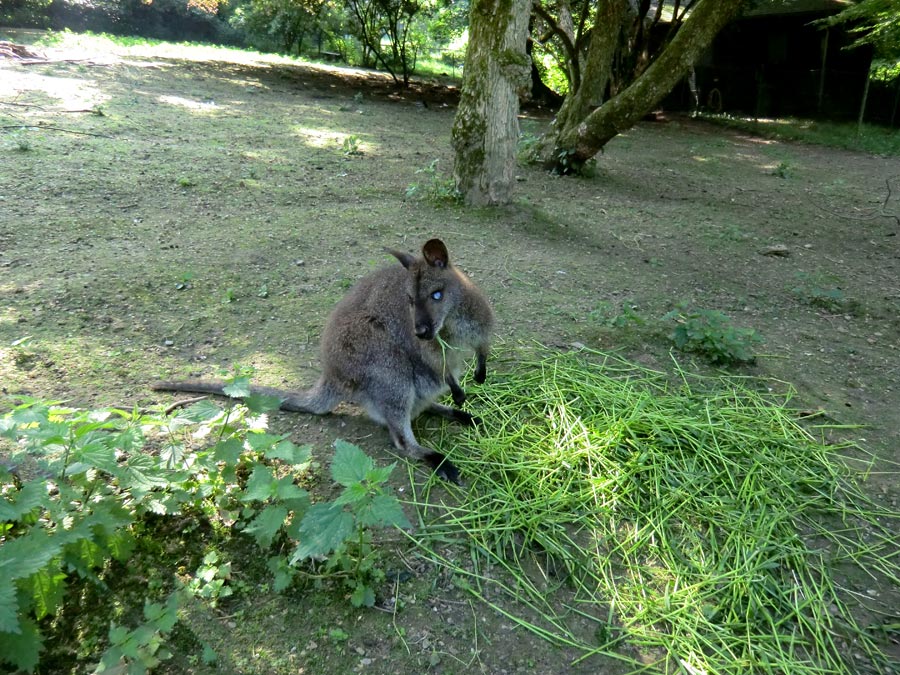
<point x="212" y="213"/>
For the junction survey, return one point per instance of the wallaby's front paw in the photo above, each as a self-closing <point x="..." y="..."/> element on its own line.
<point x="459" y="397"/>
<point x="443" y="467"/>
<point x="481" y="373"/>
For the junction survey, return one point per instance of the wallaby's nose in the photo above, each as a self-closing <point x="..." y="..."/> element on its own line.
<point x="424" y="331"/>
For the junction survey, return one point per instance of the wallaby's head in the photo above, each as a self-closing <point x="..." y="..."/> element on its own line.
<point x="433" y="288"/>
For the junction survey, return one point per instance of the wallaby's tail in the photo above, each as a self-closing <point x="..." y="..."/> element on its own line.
<point x="318" y="400"/>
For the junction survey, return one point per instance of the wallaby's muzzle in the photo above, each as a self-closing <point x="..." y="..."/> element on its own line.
<point x="424" y="329"/>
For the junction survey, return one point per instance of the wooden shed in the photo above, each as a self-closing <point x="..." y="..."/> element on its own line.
<point x="775" y="61"/>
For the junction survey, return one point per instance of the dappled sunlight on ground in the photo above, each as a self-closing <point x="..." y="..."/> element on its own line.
<point x="69" y="92"/>
<point x="188" y="103"/>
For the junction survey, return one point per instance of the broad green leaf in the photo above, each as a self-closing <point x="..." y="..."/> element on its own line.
<point x="163" y="617"/>
<point x="290" y="453"/>
<point x="47" y="589"/>
<point x="262" y="441"/>
<point x="228" y="451"/>
<point x="363" y="596"/>
<point x="171" y="455"/>
<point x="122" y="544"/>
<point x="260" y="403"/>
<point x="23" y="556"/>
<point x="380" y="474"/>
<point x="9" y="605"/>
<point x="119" y="635"/>
<point x="209" y="656"/>
<point x="323" y="529"/>
<point x="261" y="485"/>
<point x="282" y="571"/>
<point x="201" y="411"/>
<point x="141" y="475"/>
<point x="84" y="555"/>
<point x="285" y="489"/>
<point x="22" y="649"/>
<point x="353" y="494"/>
<point x="298" y="505"/>
<point x="265" y="526"/>
<point x="238" y="387"/>
<point x="98" y="455"/>
<point x="22" y="502"/>
<point x="384" y="511"/>
<point x="129" y="440"/>
<point x="350" y="464"/>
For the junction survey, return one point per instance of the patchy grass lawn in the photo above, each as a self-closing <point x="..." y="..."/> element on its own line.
<point x="167" y="212"/>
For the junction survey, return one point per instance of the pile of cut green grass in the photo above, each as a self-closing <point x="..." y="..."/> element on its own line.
<point x="696" y="527"/>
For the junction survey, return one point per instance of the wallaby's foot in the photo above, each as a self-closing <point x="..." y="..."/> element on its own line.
<point x="443" y="467"/>
<point x="466" y="419"/>
<point x="459" y="396"/>
<point x="454" y="415"/>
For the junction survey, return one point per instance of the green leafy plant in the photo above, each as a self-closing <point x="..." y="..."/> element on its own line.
<point x="185" y="281"/>
<point x="342" y="529"/>
<point x="567" y="163"/>
<point x="210" y="579"/>
<point x="77" y="483"/>
<point x="350" y="146"/>
<point x="142" y="649"/>
<point x="608" y="315"/>
<point x="526" y="148"/>
<point x="711" y="334"/>
<point x="436" y="188"/>
<point x="21" y="142"/>
<point x="783" y="170"/>
<point x="823" y="291"/>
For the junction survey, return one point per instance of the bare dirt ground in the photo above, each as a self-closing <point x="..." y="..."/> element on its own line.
<point x="210" y="212"/>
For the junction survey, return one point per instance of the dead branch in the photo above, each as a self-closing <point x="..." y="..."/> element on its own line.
<point x="13" y="51"/>
<point x="184" y="402"/>
<point x="880" y="212"/>
<point x="51" y="128"/>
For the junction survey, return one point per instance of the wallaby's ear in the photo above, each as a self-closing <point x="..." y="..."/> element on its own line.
<point x="436" y="253"/>
<point x="405" y="258"/>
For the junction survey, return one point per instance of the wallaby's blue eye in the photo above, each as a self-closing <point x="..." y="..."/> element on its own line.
<point x="437" y="295"/>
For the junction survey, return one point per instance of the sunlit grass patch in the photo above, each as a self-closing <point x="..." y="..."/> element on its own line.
<point x="701" y="522"/>
<point x="847" y="135"/>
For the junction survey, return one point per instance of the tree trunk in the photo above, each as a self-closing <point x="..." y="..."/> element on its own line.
<point x="611" y="15"/>
<point x="580" y="139"/>
<point x="486" y="128"/>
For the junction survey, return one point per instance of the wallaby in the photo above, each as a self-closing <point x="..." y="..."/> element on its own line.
<point x="394" y="344"/>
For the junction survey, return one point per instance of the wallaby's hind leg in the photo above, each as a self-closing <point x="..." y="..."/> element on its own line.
<point x="481" y="367"/>
<point x="453" y="414"/>
<point x="405" y="441"/>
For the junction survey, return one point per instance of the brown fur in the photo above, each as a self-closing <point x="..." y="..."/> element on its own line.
<point x="380" y="350"/>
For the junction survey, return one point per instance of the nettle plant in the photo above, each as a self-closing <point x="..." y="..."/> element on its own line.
<point x="711" y="334"/>
<point x="78" y="484"/>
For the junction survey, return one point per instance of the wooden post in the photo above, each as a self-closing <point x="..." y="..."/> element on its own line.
<point x="822" y="74"/>
<point x="865" y="96"/>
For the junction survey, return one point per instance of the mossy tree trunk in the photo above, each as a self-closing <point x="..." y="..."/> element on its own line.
<point x="608" y="23"/>
<point x="581" y="130"/>
<point x="486" y="129"/>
